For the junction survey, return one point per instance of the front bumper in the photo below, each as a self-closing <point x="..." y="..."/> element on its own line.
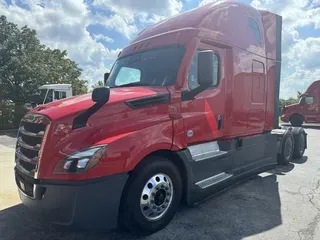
<point x="84" y="204"/>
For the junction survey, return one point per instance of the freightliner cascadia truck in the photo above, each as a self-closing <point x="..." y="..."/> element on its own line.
<point x="189" y="107"/>
<point x="306" y="110"/>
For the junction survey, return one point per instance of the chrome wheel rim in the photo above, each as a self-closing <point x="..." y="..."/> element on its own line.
<point x="156" y="197"/>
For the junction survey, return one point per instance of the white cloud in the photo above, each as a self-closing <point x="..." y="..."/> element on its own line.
<point x="300" y="57"/>
<point x="204" y="2"/>
<point x="316" y="2"/>
<point x="62" y="24"/>
<point x="305" y="53"/>
<point x="127" y="7"/>
<point x="122" y="24"/>
<point x="103" y="38"/>
<point x="127" y="11"/>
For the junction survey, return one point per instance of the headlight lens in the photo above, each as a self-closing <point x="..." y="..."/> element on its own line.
<point x="81" y="161"/>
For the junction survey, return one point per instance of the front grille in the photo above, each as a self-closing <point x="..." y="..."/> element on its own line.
<point x="24" y="184"/>
<point x="29" y="140"/>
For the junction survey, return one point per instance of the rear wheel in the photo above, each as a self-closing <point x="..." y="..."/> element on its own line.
<point x="287" y="149"/>
<point x="299" y="144"/>
<point x="152" y="196"/>
<point x="296" y="120"/>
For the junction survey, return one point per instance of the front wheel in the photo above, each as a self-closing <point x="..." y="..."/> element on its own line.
<point x="152" y="196"/>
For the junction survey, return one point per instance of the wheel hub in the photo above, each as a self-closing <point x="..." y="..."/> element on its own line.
<point x="156" y="197"/>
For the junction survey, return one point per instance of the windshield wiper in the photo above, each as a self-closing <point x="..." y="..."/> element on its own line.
<point x="133" y="84"/>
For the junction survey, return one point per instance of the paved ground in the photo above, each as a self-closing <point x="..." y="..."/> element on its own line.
<point x="280" y="204"/>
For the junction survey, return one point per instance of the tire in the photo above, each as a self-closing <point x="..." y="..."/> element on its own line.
<point x="287" y="149"/>
<point x="299" y="143"/>
<point x="154" y="188"/>
<point x="296" y="120"/>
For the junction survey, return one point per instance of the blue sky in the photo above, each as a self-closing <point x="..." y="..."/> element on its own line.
<point x="94" y="31"/>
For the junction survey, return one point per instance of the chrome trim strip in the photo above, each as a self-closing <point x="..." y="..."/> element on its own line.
<point x="205" y="151"/>
<point x="21" y="156"/>
<point x="213" y="180"/>
<point x="21" y="143"/>
<point x="31" y="134"/>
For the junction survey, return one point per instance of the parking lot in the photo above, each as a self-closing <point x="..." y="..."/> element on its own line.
<point x="282" y="203"/>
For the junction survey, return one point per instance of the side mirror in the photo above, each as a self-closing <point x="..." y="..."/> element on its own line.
<point x="106" y="76"/>
<point x="101" y="95"/>
<point x="206" y="61"/>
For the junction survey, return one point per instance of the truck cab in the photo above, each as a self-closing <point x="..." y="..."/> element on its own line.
<point x="306" y="110"/>
<point x="189" y="107"/>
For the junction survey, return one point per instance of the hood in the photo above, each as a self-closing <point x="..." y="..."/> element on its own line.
<point x="73" y="105"/>
<point x="293" y="105"/>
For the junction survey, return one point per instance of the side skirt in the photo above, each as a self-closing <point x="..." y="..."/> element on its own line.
<point x="214" y="166"/>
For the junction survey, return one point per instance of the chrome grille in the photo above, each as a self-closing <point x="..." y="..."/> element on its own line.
<point x="29" y="140"/>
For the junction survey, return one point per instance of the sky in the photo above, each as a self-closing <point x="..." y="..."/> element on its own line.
<point x="94" y="31"/>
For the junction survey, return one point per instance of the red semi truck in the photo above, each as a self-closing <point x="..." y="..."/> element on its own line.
<point x="306" y="110"/>
<point x="189" y="107"/>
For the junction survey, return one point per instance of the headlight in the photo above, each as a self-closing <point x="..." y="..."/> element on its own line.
<point x="81" y="161"/>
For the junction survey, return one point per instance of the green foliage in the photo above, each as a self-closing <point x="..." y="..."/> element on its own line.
<point x="25" y="65"/>
<point x="98" y="84"/>
<point x="289" y="101"/>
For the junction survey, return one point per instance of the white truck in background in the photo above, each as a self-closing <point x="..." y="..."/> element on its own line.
<point x="49" y="93"/>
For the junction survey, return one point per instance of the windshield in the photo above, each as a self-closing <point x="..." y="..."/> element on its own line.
<point x="156" y="67"/>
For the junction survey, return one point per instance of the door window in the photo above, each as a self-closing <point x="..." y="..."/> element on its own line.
<point x="309" y="100"/>
<point x="59" y="95"/>
<point x="192" y="75"/>
<point x="255" y="30"/>
<point x="63" y="94"/>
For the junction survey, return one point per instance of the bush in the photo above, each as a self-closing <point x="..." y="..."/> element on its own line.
<point x="10" y="115"/>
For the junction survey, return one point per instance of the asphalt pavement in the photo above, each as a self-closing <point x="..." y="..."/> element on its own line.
<point x="282" y="203"/>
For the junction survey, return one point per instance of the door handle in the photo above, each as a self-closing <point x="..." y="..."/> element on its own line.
<point x="219" y="123"/>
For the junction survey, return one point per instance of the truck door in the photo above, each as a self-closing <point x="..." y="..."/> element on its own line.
<point x="203" y="121"/>
<point x="201" y="115"/>
<point x="309" y="108"/>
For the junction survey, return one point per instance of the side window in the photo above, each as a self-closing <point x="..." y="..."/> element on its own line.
<point x="56" y="95"/>
<point x="255" y="29"/>
<point x="193" y="71"/>
<point x="309" y="100"/>
<point x="128" y="75"/>
<point x="63" y="94"/>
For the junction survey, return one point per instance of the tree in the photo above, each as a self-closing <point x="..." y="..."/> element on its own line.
<point x="98" y="84"/>
<point x="289" y="101"/>
<point x="25" y="64"/>
<point x="79" y="87"/>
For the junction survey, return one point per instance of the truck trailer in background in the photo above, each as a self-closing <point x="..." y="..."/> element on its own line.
<point x="306" y="110"/>
<point x="189" y="108"/>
